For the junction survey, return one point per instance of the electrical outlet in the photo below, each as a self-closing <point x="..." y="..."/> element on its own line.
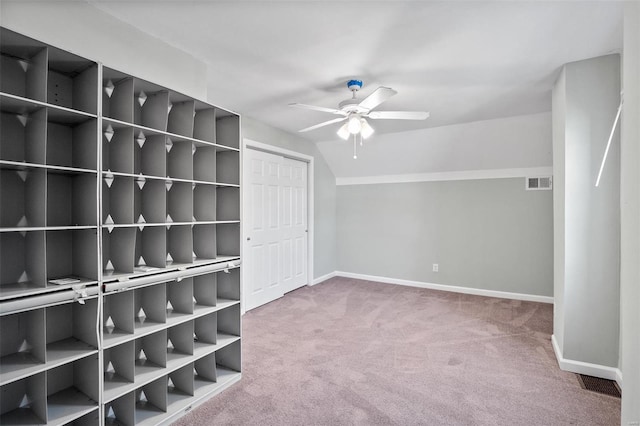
<point x="435" y="267"/>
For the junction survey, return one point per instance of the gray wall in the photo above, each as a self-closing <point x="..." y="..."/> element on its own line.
<point x="588" y="312"/>
<point x="324" y="247"/>
<point x="630" y="217"/>
<point x="488" y="234"/>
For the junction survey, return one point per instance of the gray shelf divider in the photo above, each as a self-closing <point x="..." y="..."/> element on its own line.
<point x="150" y="251"/>
<point x="227" y="129"/>
<point x="180" y="341"/>
<point x="150" y="156"/>
<point x="72" y="254"/>
<point x="22" y="264"/>
<point x="151" y="401"/>
<point x="151" y="105"/>
<point x="204" y="202"/>
<point x="180" y="244"/>
<point x="180" y="297"/>
<point x="181" y="117"/>
<point x="23" y="344"/>
<point x="22" y="198"/>
<point x="118" y="105"/>
<point x="24" y="401"/>
<point x="204" y="124"/>
<point x="228" y="203"/>
<point x="23" y="136"/>
<point x="118" y="251"/>
<point x="117" y="199"/>
<point x="179" y="160"/>
<point x="205" y="289"/>
<point x="150" y="201"/>
<point x="118" y="368"/>
<point x="24" y="66"/>
<point x="205" y="329"/>
<point x="180" y="201"/>
<point x="72" y="146"/>
<point x="71" y="199"/>
<point x="72" y="390"/>
<point x="228" y="285"/>
<point x="204" y="163"/>
<point x="117" y="149"/>
<point x="204" y="241"/>
<point x="228" y="167"/>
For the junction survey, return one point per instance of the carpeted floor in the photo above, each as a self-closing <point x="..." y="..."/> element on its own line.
<point x="357" y="352"/>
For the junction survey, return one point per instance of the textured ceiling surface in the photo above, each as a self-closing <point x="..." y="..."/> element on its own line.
<point x="462" y="61"/>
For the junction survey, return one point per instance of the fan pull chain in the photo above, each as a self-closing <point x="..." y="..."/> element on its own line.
<point x="355" y="147"/>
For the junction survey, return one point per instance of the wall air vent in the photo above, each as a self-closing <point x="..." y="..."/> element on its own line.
<point x="539" y="183"/>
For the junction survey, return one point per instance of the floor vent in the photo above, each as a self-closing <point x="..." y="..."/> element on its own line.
<point x="596" y="384"/>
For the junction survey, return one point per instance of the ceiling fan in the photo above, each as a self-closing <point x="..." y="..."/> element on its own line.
<point x="354" y="112"/>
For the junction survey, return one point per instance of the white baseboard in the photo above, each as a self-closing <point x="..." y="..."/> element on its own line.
<point x="589" y="369"/>
<point x="450" y="288"/>
<point x="323" y="278"/>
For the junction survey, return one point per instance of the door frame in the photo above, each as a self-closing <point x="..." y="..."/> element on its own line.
<point x="270" y="149"/>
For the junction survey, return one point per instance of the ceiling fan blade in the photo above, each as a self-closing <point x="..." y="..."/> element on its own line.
<point x="326" y="123"/>
<point x="318" y="108"/>
<point x="398" y="115"/>
<point x="380" y="95"/>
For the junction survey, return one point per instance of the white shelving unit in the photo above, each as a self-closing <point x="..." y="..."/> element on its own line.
<point x="119" y="243"/>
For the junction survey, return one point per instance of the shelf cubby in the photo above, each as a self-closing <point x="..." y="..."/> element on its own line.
<point x="229" y="322"/>
<point x="151" y="401"/>
<point x="117" y="98"/>
<point x="24" y="66"/>
<point x="72" y="81"/>
<point x="117" y="316"/>
<point x="71" y="331"/>
<point x="179" y="342"/>
<point x="204" y="202"/>
<point x="72" y="390"/>
<point x="119" y="369"/>
<point x="179" y="159"/>
<point x="23" y="136"/>
<point x="23" y="345"/>
<point x="72" y="254"/>
<point x="72" y="145"/>
<point x="117" y="199"/>
<point x="228" y="285"/>
<point x="227" y="129"/>
<point x="179" y="245"/>
<point x="22" y="198"/>
<point x="180" y="202"/>
<point x="150" y="156"/>
<point x="180" y="296"/>
<point x="205" y="330"/>
<point x="204" y="163"/>
<point x="204" y="242"/>
<point x="204" y="289"/>
<point x="22" y="263"/>
<point x="204" y="375"/>
<point x="71" y="199"/>
<point x="150" y="201"/>
<point x="121" y="411"/>
<point x="228" y="167"/>
<point x="180" y="388"/>
<point x="227" y="239"/>
<point x="150" y="306"/>
<point x="150" y="105"/>
<point x="181" y="116"/>
<point x="24" y="401"/>
<point x="204" y="123"/>
<point x="118" y="251"/>
<point x="228" y="203"/>
<point x="150" y="250"/>
<point x="118" y="149"/>
<point x="150" y="355"/>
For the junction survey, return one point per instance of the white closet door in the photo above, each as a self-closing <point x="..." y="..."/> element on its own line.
<point x="275" y="256"/>
<point x="293" y="190"/>
<point x="262" y="250"/>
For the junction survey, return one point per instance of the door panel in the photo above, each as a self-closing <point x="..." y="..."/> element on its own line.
<point x="276" y="220"/>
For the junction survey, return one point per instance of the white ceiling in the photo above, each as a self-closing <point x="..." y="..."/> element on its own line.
<point x="462" y="61"/>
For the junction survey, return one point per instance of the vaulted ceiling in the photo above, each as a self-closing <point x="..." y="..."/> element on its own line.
<point x="462" y="61"/>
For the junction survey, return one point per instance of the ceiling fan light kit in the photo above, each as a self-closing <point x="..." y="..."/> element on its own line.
<point x="354" y="112"/>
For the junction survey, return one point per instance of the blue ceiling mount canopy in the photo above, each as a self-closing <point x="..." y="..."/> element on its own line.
<point x="354" y="85"/>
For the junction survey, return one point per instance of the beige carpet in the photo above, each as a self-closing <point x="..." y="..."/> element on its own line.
<point x="357" y="352"/>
